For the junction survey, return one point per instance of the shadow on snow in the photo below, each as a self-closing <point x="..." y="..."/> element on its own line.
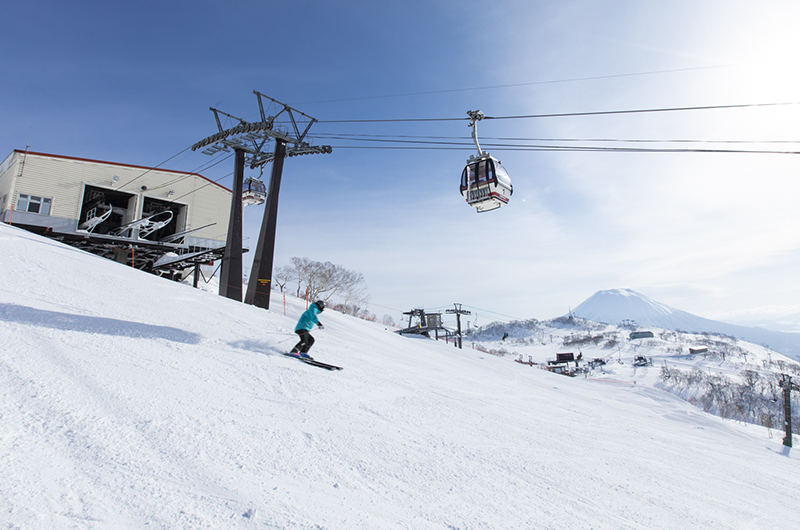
<point x="91" y="324"/>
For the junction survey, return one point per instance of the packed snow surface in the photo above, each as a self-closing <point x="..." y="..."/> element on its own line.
<point x="129" y="401"/>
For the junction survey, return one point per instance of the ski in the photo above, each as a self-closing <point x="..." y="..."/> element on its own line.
<point x="312" y="362"/>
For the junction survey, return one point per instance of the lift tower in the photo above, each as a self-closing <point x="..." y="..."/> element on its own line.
<point x="458" y="312"/>
<point x="787" y="385"/>
<point x="248" y="141"/>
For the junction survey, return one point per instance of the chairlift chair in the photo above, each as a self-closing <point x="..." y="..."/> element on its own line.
<point x="93" y="219"/>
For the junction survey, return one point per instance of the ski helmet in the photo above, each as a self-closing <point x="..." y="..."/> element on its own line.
<point x="320" y="305"/>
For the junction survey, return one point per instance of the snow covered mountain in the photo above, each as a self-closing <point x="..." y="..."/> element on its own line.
<point x="129" y="401"/>
<point x="616" y="306"/>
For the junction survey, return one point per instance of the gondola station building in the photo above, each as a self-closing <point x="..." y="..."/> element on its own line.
<point x="133" y="214"/>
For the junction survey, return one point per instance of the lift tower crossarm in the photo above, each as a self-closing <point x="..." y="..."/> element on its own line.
<point x="290" y="111"/>
<point x="217" y="112"/>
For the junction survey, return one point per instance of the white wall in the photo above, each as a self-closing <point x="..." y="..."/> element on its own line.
<point x="63" y="178"/>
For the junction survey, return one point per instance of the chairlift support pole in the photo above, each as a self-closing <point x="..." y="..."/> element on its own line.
<point x="260" y="284"/>
<point x="787" y="386"/>
<point x="230" y="280"/>
<point x="458" y="312"/>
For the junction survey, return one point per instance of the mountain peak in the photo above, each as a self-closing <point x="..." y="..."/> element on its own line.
<point x="613" y="306"/>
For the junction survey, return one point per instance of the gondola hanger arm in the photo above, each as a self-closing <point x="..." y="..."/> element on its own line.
<point x="476" y="116"/>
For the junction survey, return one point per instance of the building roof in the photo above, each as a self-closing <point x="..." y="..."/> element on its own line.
<point x="63" y="157"/>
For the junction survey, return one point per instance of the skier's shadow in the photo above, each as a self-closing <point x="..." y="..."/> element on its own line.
<point x="92" y="324"/>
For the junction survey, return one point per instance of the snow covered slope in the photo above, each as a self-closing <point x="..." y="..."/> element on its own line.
<point x="614" y="306"/>
<point x="129" y="401"/>
<point x="608" y="353"/>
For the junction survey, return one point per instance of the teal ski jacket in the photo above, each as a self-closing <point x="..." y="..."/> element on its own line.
<point x="308" y="318"/>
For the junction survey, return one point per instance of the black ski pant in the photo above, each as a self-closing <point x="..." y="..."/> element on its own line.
<point x="306" y="341"/>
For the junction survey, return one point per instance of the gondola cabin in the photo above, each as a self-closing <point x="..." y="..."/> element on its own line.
<point x="254" y="192"/>
<point x="485" y="184"/>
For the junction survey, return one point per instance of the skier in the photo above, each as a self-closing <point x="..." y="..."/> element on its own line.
<point x="304" y="326"/>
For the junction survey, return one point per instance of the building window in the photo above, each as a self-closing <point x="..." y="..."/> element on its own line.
<point x="34" y="204"/>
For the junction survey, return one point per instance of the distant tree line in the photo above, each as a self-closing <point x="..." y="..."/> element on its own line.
<point x="322" y="281"/>
<point x="756" y="399"/>
<point x="584" y="340"/>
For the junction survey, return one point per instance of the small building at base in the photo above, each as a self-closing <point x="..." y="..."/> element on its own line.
<point x="111" y="209"/>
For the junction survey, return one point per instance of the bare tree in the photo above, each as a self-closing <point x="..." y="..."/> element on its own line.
<point x="325" y="280"/>
<point x="300" y="268"/>
<point x="282" y="276"/>
<point x="354" y="289"/>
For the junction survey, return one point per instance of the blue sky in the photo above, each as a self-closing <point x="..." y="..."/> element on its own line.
<point x="710" y="233"/>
